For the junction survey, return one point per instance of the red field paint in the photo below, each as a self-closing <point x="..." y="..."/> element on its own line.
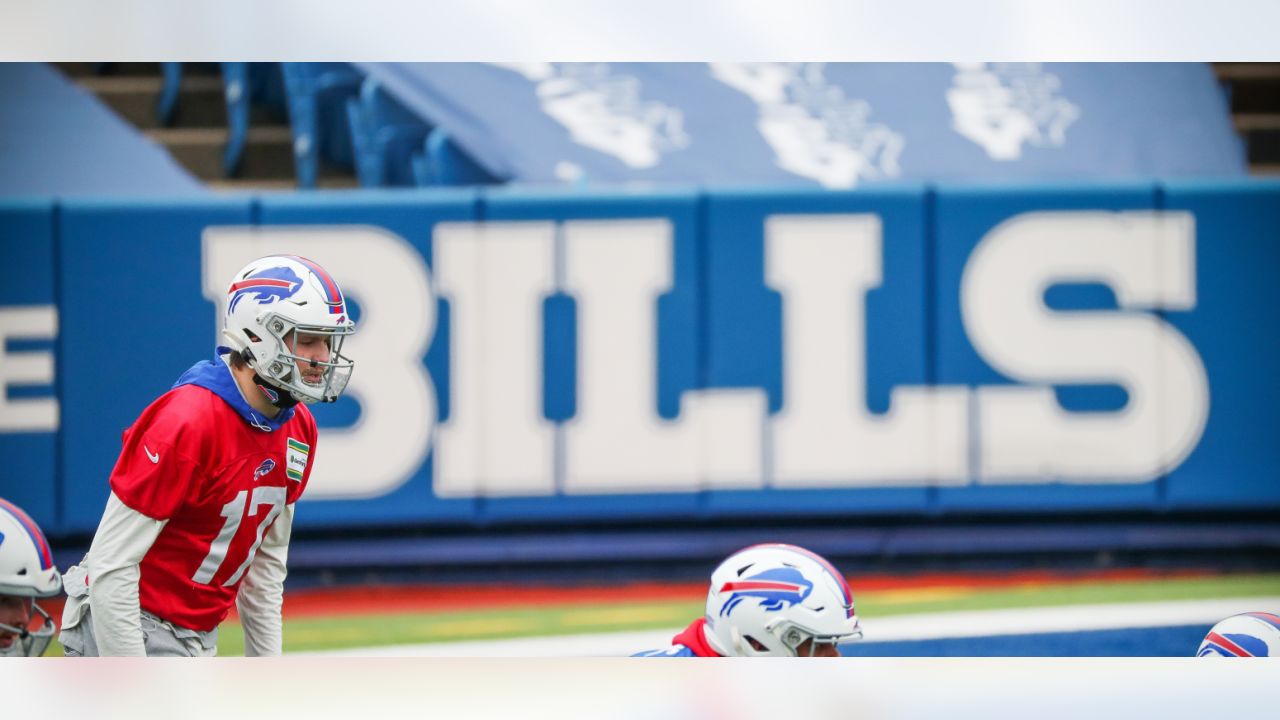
<point x="385" y="599"/>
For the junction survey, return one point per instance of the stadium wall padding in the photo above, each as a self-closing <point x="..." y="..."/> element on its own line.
<point x="540" y="357"/>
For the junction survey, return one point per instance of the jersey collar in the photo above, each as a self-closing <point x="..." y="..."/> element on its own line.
<point x="694" y="637"/>
<point x="215" y="376"/>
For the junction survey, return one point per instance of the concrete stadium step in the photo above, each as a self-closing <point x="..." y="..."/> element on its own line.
<point x="1254" y="91"/>
<point x="88" y="69"/>
<point x="1248" y="122"/>
<point x="134" y="97"/>
<point x="268" y="153"/>
<point x="198" y="133"/>
<point x="1256" y="95"/>
<point x="1235" y="71"/>
<point x="1261" y="132"/>
<point x="94" y="69"/>
<point x="235" y="185"/>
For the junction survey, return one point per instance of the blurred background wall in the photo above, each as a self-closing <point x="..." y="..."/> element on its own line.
<point x="620" y="314"/>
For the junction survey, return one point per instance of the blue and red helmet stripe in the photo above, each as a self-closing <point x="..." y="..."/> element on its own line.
<point x="1227" y="646"/>
<point x="840" y="579"/>
<point x="331" y="290"/>
<point x="733" y="586"/>
<point x="37" y="537"/>
<point x="258" y="282"/>
<point x="1270" y="618"/>
<point x="844" y="584"/>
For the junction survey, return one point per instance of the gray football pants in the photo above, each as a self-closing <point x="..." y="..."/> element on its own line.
<point x="160" y="638"/>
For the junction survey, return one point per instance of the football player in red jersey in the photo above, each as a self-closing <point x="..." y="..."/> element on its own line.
<point x="202" y="496"/>
<point x="770" y="600"/>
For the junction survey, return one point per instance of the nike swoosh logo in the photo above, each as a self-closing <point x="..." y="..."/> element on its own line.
<point x="155" y="458"/>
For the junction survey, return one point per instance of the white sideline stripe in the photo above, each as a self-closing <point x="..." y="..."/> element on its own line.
<point x="1065" y="618"/>
<point x="925" y="626"/>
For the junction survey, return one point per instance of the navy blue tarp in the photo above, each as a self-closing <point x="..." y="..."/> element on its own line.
<point x="835" y="125"/>
<point x="58" y="139"/>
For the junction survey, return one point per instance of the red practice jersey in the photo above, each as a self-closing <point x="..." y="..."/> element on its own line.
<point x="220" y="482"/>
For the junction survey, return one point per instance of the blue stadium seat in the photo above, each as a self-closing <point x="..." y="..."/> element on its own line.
<point x="384" y="136"/>
<point x="317" y="101"/>
<point x="444" y="163"/>
<point x="235" y="86"/>
<point x="245" y="85"/>
<point x="421" y="169"/>
<point x="168" y="102"/>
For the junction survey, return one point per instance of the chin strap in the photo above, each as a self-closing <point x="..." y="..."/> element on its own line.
<point x="278" y="398"/>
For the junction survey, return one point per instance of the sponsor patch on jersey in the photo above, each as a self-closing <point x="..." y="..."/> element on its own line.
<point x="296" y="459"/>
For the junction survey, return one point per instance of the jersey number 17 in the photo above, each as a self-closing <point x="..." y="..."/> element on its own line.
<point x="234" y="512"/>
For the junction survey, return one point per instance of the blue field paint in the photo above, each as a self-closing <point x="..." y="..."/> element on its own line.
<point x="1178" y="641"/>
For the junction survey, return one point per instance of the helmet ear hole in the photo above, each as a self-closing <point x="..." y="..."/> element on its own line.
<point x="252" y="337"/>
<point x="756" y="644"/>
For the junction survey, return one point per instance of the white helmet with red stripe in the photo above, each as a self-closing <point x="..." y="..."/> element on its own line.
<point x="26" y="572"/>
<point x="269" y="302"/>
<point x="768" y="600"/>
<point x="1252" y="634"/>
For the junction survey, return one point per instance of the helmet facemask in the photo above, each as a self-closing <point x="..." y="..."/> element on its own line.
<point x="27" y="572"/>
<point x="792" y="636"/>
<point x="33" y="642"/>
<point x="284" y="367"/>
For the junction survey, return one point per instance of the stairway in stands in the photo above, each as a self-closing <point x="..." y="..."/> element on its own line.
<point x="197" y="132"/>
<point x="1254" y="90"/>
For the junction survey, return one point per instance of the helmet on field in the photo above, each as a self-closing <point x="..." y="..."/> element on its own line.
<point x="26" y="572"/>
<point x="767" y="600"/>
<point x="269" y="303"/>
<point x="1253" y="634"/>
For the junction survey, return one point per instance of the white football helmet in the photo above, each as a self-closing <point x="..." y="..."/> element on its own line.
<point x="1254" y="634"/>
<point x="767" y="600"/>
<point x="271" y="300"/>
<point x="27" y="571"/>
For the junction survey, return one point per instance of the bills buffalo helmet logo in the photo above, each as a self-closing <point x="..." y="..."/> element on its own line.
<point x="265" y="286"/>
<point x="267" y="466"/>
<point x="1233" y="645"/>
<point x="1239" y="644"/>
<point x="776" y="589"/>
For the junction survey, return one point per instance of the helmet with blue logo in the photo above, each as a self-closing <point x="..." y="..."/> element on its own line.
<point x="1252" y="634"/>
<point x="768" y="600"/>
<point x="269" y="303"/>
<point x="26" y="572"/>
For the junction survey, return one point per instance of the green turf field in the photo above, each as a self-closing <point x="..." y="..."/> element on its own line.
<point x="363" y="630"/>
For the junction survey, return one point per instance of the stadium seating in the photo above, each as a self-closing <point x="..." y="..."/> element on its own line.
<point x="317" y="95"/>
<point x="580" y="123"/>
<point x="168" y="102"/>
<point x="245" y="85"/>
<point x="442" y="162"/>
<point x="384" y="136"/>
